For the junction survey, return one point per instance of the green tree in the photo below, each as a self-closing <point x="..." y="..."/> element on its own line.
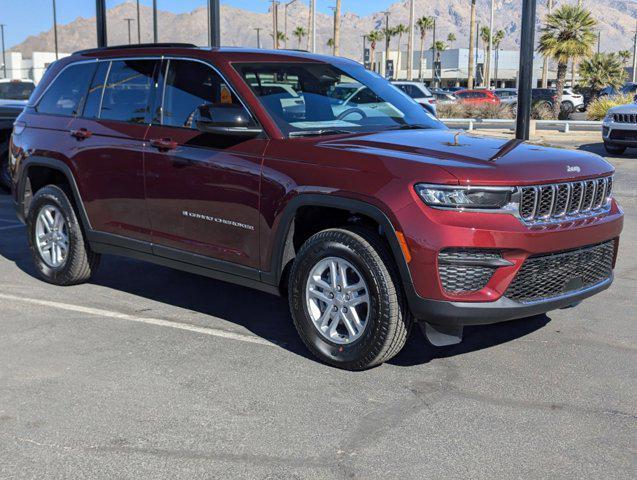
<point x="399" y="30"/>
<point x="330" y="42"/>
<point x="299" y="33"/>
<point x="624" y="56"/>
<point x="423" y="23"/>
<point x="451" y="38"/>
<point x="567" y="33"/>
<point x="280" y="37"/>
<point x="374" y="36"/>
<point x="602" y="70"/>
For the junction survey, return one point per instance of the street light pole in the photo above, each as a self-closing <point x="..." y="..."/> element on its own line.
<point x="258" y="37"/>
<point x="100" y="22"/>
<point x="635" y="57"/>
<point x="139" y="28"/>
<point x="490" y="47"/>
<point x="155" y="30"/>
<point x="410" y="43"/>
<point x="128" y="22"/>
<point x="433" y="58"/>
<point x="545" y="65"/>
<point x="285" y="21"/>
<point x="214" y="23"/>
<point x="4" y="58"/>
<point x="387" y="40"/>
<point x="525" y="75"/>
<point x="275" y="24"/>
<point x="55" y="30"/>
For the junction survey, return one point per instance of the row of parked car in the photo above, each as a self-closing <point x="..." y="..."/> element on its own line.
<point x="571" y="101"/>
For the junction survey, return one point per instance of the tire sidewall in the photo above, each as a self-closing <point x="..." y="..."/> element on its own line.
<point x="54" y="196"/>
<point x="362" y="347"/>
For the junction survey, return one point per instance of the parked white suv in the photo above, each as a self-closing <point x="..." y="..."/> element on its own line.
<point x="619" y="129"/>
<point x="572" y="101"/>
<point x="419" y="93"/>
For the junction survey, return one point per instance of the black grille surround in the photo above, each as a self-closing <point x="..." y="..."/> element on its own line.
<point x="561" y="202"/>
<point x="543" y="277"/>
<point x="625" y="118"/>
<point x="618" y="134"/>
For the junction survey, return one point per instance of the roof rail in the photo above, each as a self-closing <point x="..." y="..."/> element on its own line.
<point x="135" y="46"/>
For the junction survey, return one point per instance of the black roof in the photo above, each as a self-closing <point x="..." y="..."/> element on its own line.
<point x="135" y="46"/>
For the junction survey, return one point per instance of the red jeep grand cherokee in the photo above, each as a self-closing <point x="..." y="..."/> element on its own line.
<point x="298" y="173"/>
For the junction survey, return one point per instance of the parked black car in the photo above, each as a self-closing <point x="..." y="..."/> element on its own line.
<point x="8" y="114"/>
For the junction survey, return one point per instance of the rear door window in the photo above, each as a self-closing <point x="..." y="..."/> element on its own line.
<point x="128" y="90"/>
<point x="66" y="94"/>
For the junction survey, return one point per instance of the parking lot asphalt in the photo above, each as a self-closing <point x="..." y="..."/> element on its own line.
<point x="148" y="372"/>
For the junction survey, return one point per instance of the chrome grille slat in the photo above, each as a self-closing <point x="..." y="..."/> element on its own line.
<point x="564" y="201"/>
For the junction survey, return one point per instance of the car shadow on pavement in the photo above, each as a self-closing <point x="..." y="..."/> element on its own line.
<point x="598" y="148"/>
<point x="264" y="315"/>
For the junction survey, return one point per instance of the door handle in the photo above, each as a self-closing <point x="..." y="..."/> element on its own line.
<point x="81" y="134"/>
<point x="164" y="144"/>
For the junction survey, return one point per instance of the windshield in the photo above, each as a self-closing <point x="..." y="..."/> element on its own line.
<point x="16" y="90"/>
<point x="332" y="100"/>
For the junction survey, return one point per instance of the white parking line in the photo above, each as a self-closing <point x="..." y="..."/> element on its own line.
<point x="6" y="220"/>
<point x="19" y="225"/>
<point x="213" y="332"/>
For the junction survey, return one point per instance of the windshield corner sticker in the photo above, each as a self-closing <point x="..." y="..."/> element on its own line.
<point x="224" y="221"/>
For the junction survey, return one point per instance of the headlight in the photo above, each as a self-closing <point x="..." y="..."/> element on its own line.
<point x="609" y="117"/>
<point x="464" y="197"/>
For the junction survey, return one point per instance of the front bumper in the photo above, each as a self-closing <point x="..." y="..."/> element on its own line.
<point x="483" y="313"/>
<point x="620" y="134"/>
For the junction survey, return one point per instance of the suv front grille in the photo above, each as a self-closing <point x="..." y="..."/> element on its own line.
<point x="464" y="270"/>
<point x="562" y="201"/>
<point x="625" y="118"/>
<point x="546" y="276"/>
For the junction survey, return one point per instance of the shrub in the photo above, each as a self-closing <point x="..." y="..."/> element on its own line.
<point x="599" y="107"/>
<point x="464" y="110"/>
<point x="542" y="111"/>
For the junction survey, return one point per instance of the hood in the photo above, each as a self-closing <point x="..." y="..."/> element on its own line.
<point x="628" y="108"/>
<point x="473" y="159"/>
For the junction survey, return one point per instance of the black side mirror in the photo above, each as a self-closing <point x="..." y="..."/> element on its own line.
<point x="225" y="119"/>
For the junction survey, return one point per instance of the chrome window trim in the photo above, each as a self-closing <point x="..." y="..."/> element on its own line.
<point x="108" y="72"/>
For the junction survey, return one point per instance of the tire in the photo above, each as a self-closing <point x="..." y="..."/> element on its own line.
<point x="388" y="320"/>
<point x="5" y="176"/>
<point x="80" y="262"/>
<point x="568" y="106"/>
<point x="614" y="149"/>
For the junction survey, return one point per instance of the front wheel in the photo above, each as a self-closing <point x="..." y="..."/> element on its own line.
<point x="346" y="300"/>
<point x="60" y="252"/>
<point x="614" y="149"/>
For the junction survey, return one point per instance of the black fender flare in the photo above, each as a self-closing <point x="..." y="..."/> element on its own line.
<point x="55" y="164"/>
<point x="282" y="236"/>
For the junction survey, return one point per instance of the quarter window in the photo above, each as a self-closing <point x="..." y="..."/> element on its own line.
<point x="128" y="90"/>
<point x="188" y="86"/>
<point x="65" y="95"/>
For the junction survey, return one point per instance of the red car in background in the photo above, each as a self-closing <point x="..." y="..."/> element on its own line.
<point x="477" y="96"/>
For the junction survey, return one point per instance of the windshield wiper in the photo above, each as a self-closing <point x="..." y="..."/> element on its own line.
<point x="318" y="133"/>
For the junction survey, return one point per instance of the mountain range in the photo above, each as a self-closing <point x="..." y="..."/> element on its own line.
<point x="616" y="23"/>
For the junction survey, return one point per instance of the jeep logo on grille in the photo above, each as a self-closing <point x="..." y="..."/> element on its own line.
<point x="573" y="168"/>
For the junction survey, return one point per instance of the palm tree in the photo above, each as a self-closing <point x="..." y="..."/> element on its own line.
<point x="568" y="33"/>
<point x="497" y="40"/>
<point x="602" y="70"/>
<point x="440" y="46"/>
<point x="280" y="37"/>
<point x="472" y="46"/>
<point x="337" y="27"/>
<point x="399" y="30"/>
<point x="451" y="38"/>
<point x="424" y="23"/>
<point x="373" y="37"/>
<point x="485" y="33"/>
<point x="330" y="42"/>
<point x="624" y="56"/>
<point x="299" y="32"/>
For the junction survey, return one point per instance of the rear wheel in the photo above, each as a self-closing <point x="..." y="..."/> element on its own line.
<point x="60" y="252"/>
<point x="346" y="300"/>
<point x="614" y="149"/>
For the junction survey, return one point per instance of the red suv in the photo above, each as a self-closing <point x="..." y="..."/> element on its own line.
<point x="251" y="167"/>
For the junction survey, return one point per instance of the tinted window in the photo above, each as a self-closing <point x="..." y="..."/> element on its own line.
<point x="365" y="96"/>
<point x="64" y="96"/>
<point x="16" y="90"/>
<point x="94" y="96"/>
<point x="127" y="91"/>
<point x="188" y="86"/>
<point x="410" y="90"/>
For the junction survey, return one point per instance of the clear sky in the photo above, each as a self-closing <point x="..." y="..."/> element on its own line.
<point x="26" y="17"/>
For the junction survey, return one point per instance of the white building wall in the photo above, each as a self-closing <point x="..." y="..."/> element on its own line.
<point x="29" y="68"/>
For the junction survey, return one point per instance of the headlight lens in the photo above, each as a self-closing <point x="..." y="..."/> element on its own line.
<point x="608" y="117"/>
<point x="464" y="197"/>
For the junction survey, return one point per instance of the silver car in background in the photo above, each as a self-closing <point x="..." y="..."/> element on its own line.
<point x="619" y="129"/>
